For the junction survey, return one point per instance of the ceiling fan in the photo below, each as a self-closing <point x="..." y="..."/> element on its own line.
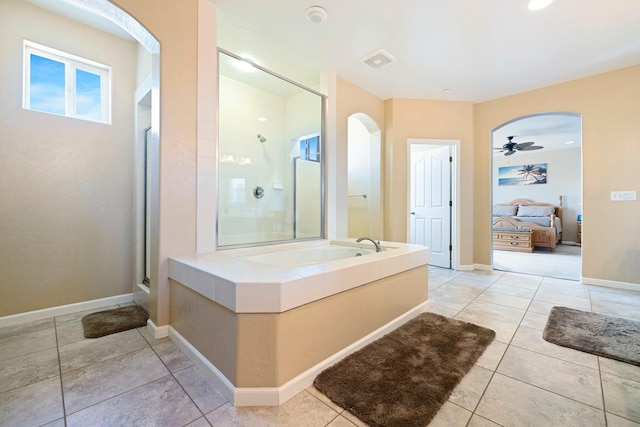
<point x="511" y="147"/>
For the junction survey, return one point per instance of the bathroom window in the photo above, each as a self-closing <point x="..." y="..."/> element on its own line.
<point x="310" y="148"/>
<point x="60" y="83"/>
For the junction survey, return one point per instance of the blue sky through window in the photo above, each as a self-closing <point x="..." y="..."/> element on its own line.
<point x="309" y="148"/>
<point x="88" y="94"/>
<point x="47" y="85"/>
<point x="48" y="89"/>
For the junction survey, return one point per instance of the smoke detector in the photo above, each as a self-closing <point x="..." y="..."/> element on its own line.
<point x="315" y="14"/>
<point x="378" y="58"/>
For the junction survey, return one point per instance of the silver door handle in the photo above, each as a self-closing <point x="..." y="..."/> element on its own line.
<point x="412" y="213"/>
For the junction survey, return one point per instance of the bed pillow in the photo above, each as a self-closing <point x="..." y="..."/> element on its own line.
<point x="504" y="210"/>
<point x="536" y="210"/>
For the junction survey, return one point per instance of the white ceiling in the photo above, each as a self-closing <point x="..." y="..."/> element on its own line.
<point x="551" y="131"/>
<point x="478" y="49"/>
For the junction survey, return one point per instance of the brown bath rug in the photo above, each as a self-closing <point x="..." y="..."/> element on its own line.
<point x="111" y="321"/>
<point x="607" y="336"/>
<point x="403" y="378"/>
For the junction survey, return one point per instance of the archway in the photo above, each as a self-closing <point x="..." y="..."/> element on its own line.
<point x="549" y="143"/>
<point x="364" y="177"/>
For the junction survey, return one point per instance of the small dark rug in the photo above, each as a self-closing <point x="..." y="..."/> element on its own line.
<point x="403" y="378"/>
<point x="607" y="336"/>
<point x="115" y="320"/>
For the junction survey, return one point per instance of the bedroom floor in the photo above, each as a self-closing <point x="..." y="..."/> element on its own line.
<point x="50" y="375"/>
<point x="564" y="263"/>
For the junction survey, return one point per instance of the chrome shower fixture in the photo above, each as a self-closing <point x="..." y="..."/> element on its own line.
<point x="261" y="138"/>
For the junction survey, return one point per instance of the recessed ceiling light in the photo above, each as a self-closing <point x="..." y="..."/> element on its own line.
<point x="262" y="119"/>
<point x="539" y="4"/>
<point x="315" y="14"/>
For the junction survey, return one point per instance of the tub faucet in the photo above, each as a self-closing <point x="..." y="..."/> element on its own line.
<point x="376" y="244"/>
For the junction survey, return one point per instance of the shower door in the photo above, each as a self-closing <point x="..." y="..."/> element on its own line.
<point x="307" y="196"/>
<point x="147" y="205"/>
<point x="264" y="194"/>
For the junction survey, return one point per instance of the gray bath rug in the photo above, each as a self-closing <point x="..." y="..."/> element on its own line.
<point x="607" y="336"/>
<point x="115" y="320"/>
<point x="403" y="378"/>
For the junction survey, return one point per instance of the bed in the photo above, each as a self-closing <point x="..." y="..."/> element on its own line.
<point x="521" y="215"/>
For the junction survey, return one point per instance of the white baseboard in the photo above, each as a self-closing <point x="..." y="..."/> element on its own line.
<point x="157" y="331"/>
<point x="611" y="284"/>
<point x="207" y="368"/>
<point x="61" y="310"/>
<point x="465" y="267"/>
<point x="483" y="267"/>
<point x="275" y="396"/>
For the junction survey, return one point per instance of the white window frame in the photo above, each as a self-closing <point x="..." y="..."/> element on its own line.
<point x="71" y="64"/>
<point x="305" y="156"/>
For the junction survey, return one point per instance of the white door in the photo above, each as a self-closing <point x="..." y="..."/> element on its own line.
<point x="430" y="204"/>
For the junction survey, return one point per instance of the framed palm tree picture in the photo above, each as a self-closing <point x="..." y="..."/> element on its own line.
<point x="523" y="174"/>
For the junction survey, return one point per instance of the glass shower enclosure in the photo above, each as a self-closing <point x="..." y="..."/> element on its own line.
<point x="270" y="157"/>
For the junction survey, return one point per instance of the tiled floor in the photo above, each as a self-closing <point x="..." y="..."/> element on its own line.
<point x="50" y="375"/>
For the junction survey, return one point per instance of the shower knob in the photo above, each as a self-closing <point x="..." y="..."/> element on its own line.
<point x="258" y="192"/>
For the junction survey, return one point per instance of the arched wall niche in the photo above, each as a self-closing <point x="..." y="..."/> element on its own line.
<point x="364" y="164"/>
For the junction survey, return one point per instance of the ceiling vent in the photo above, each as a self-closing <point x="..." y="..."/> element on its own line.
<point x="378" y="58"/>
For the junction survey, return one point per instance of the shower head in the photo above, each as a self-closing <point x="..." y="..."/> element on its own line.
<point x="261" y="138"/>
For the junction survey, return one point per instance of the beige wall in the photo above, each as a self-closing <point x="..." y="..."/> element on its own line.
<point x="426" y="119"/>
<point x="66" y="185"/>
<point x="268" y="350"/>
<point x="610" y="108"/>
<point x="184" y="127"/>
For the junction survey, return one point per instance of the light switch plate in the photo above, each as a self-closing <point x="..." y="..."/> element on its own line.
<point x="623" y="196"/>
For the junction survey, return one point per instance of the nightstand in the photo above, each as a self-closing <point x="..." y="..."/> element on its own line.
<point x="579" y="234"/>
<point x="513" y="240"/>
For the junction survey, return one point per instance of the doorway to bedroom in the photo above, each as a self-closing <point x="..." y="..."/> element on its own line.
<point x="537" y="160"/>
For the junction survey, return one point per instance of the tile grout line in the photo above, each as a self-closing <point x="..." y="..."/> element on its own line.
<point x="495" y="371"/>
<point x="533" y="385"/>
<point x="64" y="408"/>
<point x="179" y="383"/>
<point x="604" y="405"/>
<point x="123" y="392"/>
<point x="460" y="311"/>
<point x="603" y="410"/>
<point x="338" y="414"/>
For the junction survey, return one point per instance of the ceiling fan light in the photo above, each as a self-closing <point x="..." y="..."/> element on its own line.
<point x="539" y="4"/>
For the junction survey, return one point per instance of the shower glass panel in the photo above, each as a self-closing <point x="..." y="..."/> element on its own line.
<point x="270" y="171"/>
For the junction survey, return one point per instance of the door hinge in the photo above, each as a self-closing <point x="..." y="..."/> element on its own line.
<point x="450" y="248"/>
<point x="450" y="159"/>
<point x="450" y="203"/>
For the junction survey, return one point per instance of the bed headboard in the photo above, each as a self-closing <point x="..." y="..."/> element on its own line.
<point x="527" y="202"/>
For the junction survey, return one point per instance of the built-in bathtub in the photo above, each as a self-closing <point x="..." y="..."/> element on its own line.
<point x="309" y="256"/>
<point x="264" y="321"/>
